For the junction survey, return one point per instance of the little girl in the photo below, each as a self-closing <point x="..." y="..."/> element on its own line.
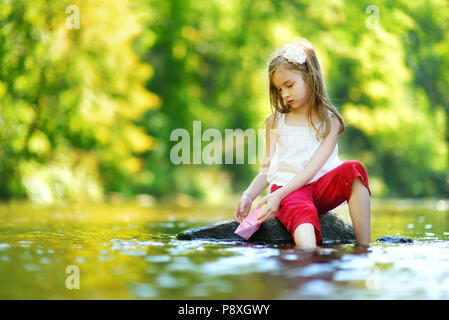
<point x="301" y="163"/>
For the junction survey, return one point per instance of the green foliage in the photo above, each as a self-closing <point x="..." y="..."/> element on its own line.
<point x="69" y="98"/>
<point x="213" y="69"/>
<point x="87" y="111"/>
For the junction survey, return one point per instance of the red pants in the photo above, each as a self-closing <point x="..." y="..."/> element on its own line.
<point x="329" y="191"/>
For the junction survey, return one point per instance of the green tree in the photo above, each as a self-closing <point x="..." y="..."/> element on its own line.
<point x="69" y="98"/>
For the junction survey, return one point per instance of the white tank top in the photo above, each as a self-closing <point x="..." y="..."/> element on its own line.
<point x="294" y="148"/>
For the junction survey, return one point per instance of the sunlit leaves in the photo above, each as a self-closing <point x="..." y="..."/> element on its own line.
<point x="113" y="90"/>
<point x="71" y="92"/>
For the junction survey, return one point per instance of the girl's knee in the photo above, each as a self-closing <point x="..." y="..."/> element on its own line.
<point x="354" y="164"/>
<point x="304" y="236"/>
<point x="358" y="185"/>
<point x="356" y="170"/>
<point x="357" y="180"/>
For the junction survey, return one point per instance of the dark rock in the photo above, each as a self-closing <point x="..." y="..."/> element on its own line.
<point x="394" y="239"/>
<point x="333" y="231"/>
<point x="272" y="231"/>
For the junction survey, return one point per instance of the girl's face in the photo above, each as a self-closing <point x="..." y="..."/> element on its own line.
<point x="291" y="87"/>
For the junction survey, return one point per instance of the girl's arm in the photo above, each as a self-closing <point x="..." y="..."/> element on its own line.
<point x="256" y="187"/>
<point x="259" y="184"/>
<point x="317" y="161"/>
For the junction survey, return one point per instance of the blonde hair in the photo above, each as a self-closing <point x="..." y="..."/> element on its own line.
<point x="318" y="98"/>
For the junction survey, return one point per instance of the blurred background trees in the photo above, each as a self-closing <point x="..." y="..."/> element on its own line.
<point x="69" y="101"/>
<point x="88" y="111"/>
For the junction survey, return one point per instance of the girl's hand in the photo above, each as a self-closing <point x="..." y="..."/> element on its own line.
<point x="272" y="201"/>
<point x="242" y="209"/>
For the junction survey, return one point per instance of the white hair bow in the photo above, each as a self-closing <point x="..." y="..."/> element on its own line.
<point x="295" y="54"/>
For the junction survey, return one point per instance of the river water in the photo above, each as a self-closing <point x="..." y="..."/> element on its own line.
<point x="130" y="251"/>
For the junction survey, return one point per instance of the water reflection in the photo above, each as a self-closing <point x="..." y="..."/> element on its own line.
<point x="139" y="257"/>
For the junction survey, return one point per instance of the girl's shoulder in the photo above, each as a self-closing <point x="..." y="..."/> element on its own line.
<point x="273" y="119"/>
<point x="276" y="115"/>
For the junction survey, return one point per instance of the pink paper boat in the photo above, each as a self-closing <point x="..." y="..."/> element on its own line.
<point x="249" y="225"/>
